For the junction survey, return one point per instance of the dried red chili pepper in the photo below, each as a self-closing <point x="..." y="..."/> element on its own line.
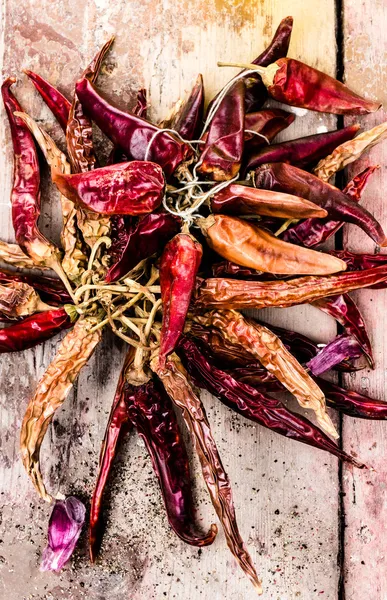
<point x="187" y="119"/>
<point x="294" y="83"/>
<point x="236" y="294"/>
<point x="50" y="290"/>
<point x="147" y="237"/>
<point x="316" y="231"/>
<point x="249" y="246"/>
<point x="282" y="177"/>
<point x="344" y="310"/>
<point x="132" y="188"/>
<point x="301" y="152"/>
<point x="238" y="199"/>
<point x="265" y="124"/>
<point x="352" y="403"/>
<point x="131" y="133"/>
<point x="56" y="102"/>
<point x="221" y="157"/>
<point x="252" y="404"/>
<point x="360" y="262"/>
<point x="179" y="265"/>
<point x="141" y="107"/>
<point x="342" y="348"/>
<point x="34" y="330"/>
<point x="175" y="381"/>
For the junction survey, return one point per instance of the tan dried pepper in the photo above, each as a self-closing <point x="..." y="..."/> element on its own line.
<point x="273" y="355"/>
<point x="176" y="383"/>
<point x="74" y="351"/>
<point x="18" y="299"/>
<point x="13" y="255"/>
<point x="350" y="151"/>
<point x="74" y="261"/>
<point x="249" y="246"/>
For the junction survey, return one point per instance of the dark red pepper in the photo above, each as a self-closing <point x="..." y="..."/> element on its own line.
<point x="267" y="123"/>
<point x="33" y="330"/>
<point x="352" y="403"/>
<point x="50" y="290"/>
<point x="141" y="107"/>
<point x="187" y="121"/>
<point x="56" y="102"/>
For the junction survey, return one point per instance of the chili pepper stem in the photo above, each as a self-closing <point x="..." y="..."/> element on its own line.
<point x="57" y="267"/>
<point x="285" y="226"/>
<point x="267" y="73"/>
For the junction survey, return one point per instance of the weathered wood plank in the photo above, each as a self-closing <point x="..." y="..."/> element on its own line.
<point x="287" y="514"/>
<point x="365" y="500"/>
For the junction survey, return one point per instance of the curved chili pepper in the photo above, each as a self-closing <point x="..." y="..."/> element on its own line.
<point x="150" y="410"/>
<point x="361" y="262"/>
<point x="131" y="133"/>
<point x="267" y="123"/>
<point x="56" y="102"/>
<point x="187" y="120"/>
<point x="344" y="310"/>
<point x="34" y="330"/>
<point x="238" y="199"/>
<point x="236" y="294"/>
<point x="50" y="290"/>
<point x="301" y="152"/>
<point x="141" y="107"/>
<point x="221" y="157"/>
<point x="147" y="237"/>
<point x="176" y="383"/>
<point x="131" y="188"/>
<point x="343" y="347"/>
<point x="282" y="177"/>
<point x="179" y="265"/>
<point x="352" y="403"/>
<point x="316" y="231"/>
<point x="250" y="246"/>
<point x="253" y="405"/>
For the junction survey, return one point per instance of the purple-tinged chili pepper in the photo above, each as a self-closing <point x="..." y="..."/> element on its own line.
<point x="253" y="405"/>
<point x="226" y="268"/>
<point x="262" y="126"/>
<point x="292" y="82"/>
<point x="151" y="412"/>
<point x="131" y="188"/>
<point x="352" y="403"/>
<point x="56" y="102"/>
<point x="178" y="387"/>
<point x="301" y="152"/>
<point x="344" y="310"/>
<point x="236" y="199"/>
<point x="316" y="231"/>
<point x="282" y="177"/>
<point x="144" y="239"/>
<point x="50" y="290"/>
<point x="221" y="157"/>
<point x="187" y="120"/>
<point x="360" y="262"/>
<point x="237" y="294"/>
<point x="131" y="133"/>
<point x="34" y="330"/>
<point x="343" y="347"/>
<point x="141" y="107"/>
<point x="120" y="229"/>
<point x="179" y="265"/>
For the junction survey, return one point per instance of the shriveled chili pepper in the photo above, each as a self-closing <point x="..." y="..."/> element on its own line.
<point x="360" y="262"/>
<point x="249" y="246"/>
<point x="187" y="120"/>
<point x="56" y="102"/>
<point x="141" y="105"/>
<point x="237" y="294"/>
<point x="343" y="347"/>
<point x="52" y="390"/>
<point x="352" y="403"/>
<point x="221" y="157"/>
<point x="34" y="330"/>
<point x="147" y="237"/>
<point x="150" y="410"/>
<point x="132" y="133"/>
<point x="316" y="231"/>
<point x="237" y="199"/>
<point x="297" y="84"/>
<point x="50" y="290"/>
<point x="301" y="152"/>
<point x="282" y="177"/>
<point x="266" y="347"/>
<point x="262" y="126"/>
<point x="18" y="299"/>
<point x="131" y="188"/>
<point x="174" y="379"/>
<point x="344" y="310"/>
<point x="179" y="265"/>
<point x="117" y="426"/>
<point x="12" y="254"/>
<point x="348" y="152"/>
<point x="252" y="404"/>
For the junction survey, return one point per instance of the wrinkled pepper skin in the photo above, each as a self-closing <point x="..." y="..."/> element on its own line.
<point x="56" y="102"/>
<point x="342" y="348"/>
<point x="237" y="199"/>
<point x="188" y="119"/>
<point x="252" y="404"/>
<point x="33" y="330"/>
<point x="131" y="188"/>
<point x="352" y="403"/>
<point x="50" y="290"/>
<point x="294" y="83"/>
<point x="236" y="294"/>
<point x="179" y="265"/>
<point x="150" y="411"/>
<point x="249" y="246"/>
<point x="141" y="107"/>
<point x="301" y="152"/>
<point x="312" y="232"/>
<point x="221" y="157"/>
<point x="146" y="238"/>
<point x="361" y="262"/>
<point x="130" y="132"/>
<point x="282" y="177"/>
<point x="267" y="123"/>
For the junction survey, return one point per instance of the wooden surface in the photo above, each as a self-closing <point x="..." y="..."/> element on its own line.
<point x="289" y="498"/>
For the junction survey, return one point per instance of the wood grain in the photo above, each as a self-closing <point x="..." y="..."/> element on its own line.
<point x="286" y="495"/>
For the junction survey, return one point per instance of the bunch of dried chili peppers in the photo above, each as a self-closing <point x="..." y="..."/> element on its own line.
<point x="188" y="222"/>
